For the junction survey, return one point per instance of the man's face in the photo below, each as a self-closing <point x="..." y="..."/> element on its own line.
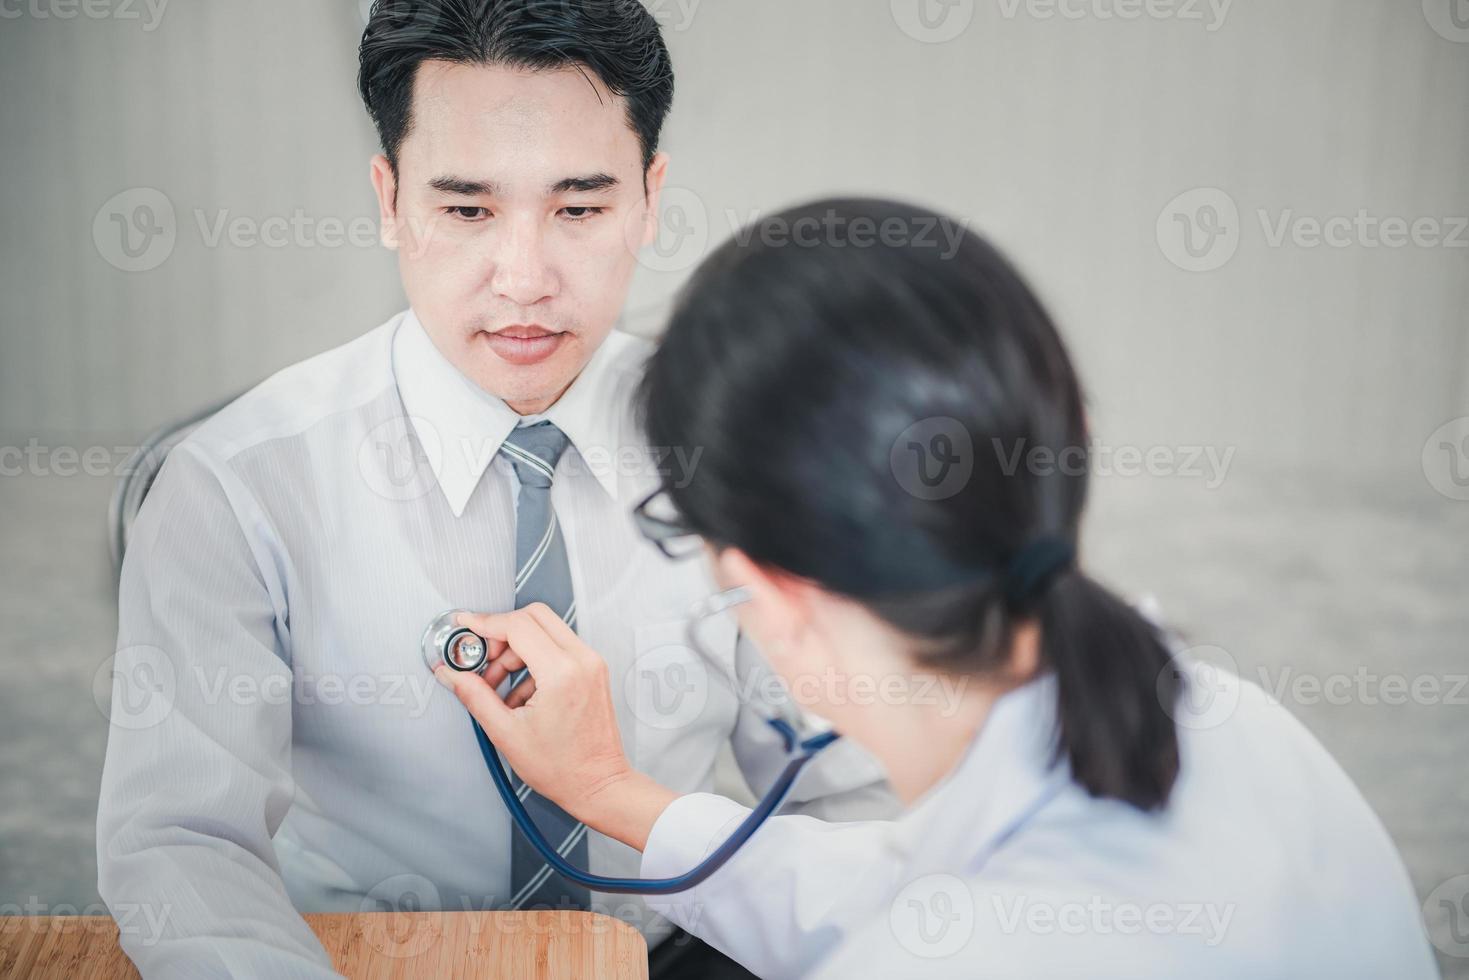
<point x="517" y="210"/>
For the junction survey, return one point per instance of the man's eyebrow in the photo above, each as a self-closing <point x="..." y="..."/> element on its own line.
<point x="586" y="184"/>
<point x="474" y="188"/>
<point x="463" y="185"/>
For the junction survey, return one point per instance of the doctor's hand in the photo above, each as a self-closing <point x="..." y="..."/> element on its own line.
<point x="560" y="733"/>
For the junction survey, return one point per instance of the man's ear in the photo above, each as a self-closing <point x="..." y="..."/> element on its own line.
<point x="385" y="182"/>
<point x="653" y="182"/>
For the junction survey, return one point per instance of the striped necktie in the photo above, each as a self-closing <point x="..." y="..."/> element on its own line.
<point x="542" y="575"/>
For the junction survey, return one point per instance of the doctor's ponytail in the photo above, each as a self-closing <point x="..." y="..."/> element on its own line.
<point x="1115" y="677"/>
<point x="1116" y="683"/>
<point x="898" y="421"/>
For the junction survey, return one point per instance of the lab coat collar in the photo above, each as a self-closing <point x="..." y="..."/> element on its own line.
<point x="1004" y="778"/>
<point x="461" y="427"/>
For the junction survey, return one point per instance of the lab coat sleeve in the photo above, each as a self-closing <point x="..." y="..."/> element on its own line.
<point x="775" y="907"/>
<point x="844" y="782"/>
<point x="197" y="776"/>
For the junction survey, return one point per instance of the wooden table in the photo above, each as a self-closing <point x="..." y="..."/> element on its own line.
<point x="379" y="945"/>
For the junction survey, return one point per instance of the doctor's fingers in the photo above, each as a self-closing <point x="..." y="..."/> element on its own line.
<point x="502" y="666"/>
<point x="521" y="693"/>
<point x="527" y="638"/>
<point x="555" y="626"/>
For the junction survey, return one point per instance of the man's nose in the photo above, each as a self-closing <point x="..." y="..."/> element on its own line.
<point x="523" y="273"/>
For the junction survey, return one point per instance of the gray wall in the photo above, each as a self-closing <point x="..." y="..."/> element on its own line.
<point x="1063" y="138"/>
<point x="1336" y="544"/>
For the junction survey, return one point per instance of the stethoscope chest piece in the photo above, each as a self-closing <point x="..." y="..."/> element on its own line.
<point x="453" y="646"/>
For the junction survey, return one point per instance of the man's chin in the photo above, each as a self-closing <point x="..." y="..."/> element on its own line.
<point x="527" y="390"/>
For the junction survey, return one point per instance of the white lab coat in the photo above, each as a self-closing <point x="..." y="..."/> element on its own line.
<point x="1266" y="863"/>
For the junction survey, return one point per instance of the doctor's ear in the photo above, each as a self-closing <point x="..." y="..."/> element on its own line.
<point x="781" y="606"/>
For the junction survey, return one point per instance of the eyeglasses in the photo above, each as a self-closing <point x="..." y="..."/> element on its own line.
<point x="659" y="521"/>
<point x="800" y="733"/>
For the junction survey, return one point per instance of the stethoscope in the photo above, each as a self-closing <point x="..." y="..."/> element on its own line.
<point x="458" y="648"/>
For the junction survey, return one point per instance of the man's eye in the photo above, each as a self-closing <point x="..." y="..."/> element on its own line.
<point x="468" y="213"/>
<point x="581" y="213"/>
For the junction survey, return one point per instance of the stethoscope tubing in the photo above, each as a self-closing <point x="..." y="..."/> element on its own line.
<point x="772" y="800"/>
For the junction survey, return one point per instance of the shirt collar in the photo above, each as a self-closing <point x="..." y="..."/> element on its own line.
<point x="1004" y="778"/>
<point x="461" y="427"/>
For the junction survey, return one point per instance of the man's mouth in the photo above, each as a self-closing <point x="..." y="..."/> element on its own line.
<point x="522" y="344"/>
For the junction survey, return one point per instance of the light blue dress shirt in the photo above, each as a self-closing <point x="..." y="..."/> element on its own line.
<point x="277" y="743"/>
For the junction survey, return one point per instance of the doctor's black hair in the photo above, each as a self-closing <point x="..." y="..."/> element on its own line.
<point x="823" y="363"/>
<point x="617" y="40"/>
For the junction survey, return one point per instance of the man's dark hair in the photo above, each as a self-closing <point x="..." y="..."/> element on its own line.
<point x="618" y="40"/>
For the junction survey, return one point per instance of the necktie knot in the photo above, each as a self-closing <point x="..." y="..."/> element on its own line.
<point x="534" y="450"/>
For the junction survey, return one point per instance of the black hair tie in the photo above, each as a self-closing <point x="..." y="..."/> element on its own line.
<point x="1035" y="567"/>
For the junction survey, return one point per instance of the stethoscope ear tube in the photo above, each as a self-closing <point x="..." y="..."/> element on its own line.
<point x="654" y="886"/>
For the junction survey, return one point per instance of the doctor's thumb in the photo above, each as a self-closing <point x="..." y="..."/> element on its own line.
<point x="476" y="695"/>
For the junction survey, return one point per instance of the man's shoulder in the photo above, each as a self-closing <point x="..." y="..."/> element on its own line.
<point x="302" y="395"/>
